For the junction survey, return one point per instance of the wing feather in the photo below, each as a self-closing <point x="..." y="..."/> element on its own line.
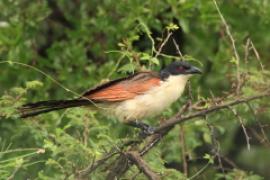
<point x="125" y="88"/>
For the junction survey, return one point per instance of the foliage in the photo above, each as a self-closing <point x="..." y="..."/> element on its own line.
<point x="58" y="49"/>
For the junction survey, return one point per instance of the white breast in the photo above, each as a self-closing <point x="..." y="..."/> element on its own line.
<point x="152" y="102"/>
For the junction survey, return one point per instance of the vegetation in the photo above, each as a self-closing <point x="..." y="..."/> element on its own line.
<point x="58" y="49"/>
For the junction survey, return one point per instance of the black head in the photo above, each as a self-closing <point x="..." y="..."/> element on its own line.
<point x="179" y="67"/>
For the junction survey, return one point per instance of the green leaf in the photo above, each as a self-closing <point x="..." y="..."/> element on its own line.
<point x="127" y="68"/>
<point x="33" y="84"/>
<point x="209" y="158"/>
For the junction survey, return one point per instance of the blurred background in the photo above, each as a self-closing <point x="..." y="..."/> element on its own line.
<point x="58" y="49"/>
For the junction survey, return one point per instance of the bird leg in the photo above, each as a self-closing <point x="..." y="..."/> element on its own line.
<point x="146" y="129"/>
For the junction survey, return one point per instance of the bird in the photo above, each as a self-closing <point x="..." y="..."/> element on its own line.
<point x="130" y="99"/>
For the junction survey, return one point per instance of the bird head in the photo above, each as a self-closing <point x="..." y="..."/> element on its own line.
<point x="179" y="68"/>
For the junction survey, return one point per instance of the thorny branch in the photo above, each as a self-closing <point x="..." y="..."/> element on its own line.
<point x="242" y="125"/>
<point x="236" y="54"/>
<point x="122" y="162"/>
<point x="176" y="119"/>
<point x="136" y="158"/>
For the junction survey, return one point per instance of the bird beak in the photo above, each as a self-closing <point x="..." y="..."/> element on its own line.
<point x="194" y="70"/>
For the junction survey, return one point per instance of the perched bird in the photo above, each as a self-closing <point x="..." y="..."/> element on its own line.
<point x="130" y="99"/>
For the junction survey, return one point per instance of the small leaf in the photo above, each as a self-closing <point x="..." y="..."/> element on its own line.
<point x="154" y="60"/>
<point x="234" y="61"/>
<point x="209" y="158"/>
<point x="145" y="56"/>
<point x="33" y="84"/>
<point x="127" y="68"/>
<point x="172" y="27"/>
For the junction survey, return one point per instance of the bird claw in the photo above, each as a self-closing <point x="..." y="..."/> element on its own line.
<point x="147" y="131"/>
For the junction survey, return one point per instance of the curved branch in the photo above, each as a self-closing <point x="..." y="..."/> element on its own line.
<point x="141" y="164"/>
<point x="180" y="119"/>
<point x="165" y="127"/>
<point x="160" y="132"/>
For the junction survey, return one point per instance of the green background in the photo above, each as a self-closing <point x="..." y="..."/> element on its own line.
<point x="83" y="43"/>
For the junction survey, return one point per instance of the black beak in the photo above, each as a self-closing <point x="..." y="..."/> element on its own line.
<point x="194" y="70"/>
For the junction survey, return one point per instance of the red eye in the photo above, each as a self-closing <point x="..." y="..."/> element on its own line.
<point x="180" y="69"/>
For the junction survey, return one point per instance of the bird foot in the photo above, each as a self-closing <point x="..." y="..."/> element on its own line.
<point x="146" y="129"/>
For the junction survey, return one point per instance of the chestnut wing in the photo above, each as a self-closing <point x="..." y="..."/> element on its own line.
<point x="125" y="88"/>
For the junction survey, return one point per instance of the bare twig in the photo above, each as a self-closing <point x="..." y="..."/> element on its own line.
<point x="256" y="54"/>
<point x="177" y="48"/>
<point x="247" y="50"/>
<point x="141" y="164"/>
<point x="242" y="125"/>
<point x="265" y="138"/>
<point x="215" y="144"/>
<point x="236" y="55"/>
<point x="199" y="171"/>
<point x="177" y="120"/>
<point x="163" y="44"/>
<point x="183" y="146"/>
<point x="94" y="165"/>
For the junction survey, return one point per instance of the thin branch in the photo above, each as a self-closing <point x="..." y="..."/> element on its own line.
<point x="227" y="31"/>
<point x="247" y="50"/>
<point x="200" y="171"/>
<point x="141" y="164"/>
<point x="236" y="55"/>
<point x="265" y="138"/>
<point x="177" y="120"/>
<point x="183" y="146"/>
<point x="242" y="125"/>
<point x="177" y="48"/>
<point x="94" y="165"/>
<point x="256" y="54"/>
<point x="163" y="44"/>
<point x="122" y="163"/>
<point x="215" y="144"/>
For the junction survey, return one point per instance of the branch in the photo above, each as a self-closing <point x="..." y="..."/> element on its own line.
<point x="121" y="164"/>
<point x="135" y="157"/>
<point x="236" y="54"/>
<point x="242" y="125"/>
<point x="177" y="120"/>
<point x="93" y="166"/>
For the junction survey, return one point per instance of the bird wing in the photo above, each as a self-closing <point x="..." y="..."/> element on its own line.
<point x="124" y="88"/>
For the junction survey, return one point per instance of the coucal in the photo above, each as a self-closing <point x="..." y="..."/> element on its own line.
<point x="131" y="98"/>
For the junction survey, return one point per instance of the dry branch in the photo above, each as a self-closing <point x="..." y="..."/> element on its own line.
<point x="141" y="164"/>
<point x="164" y="128"/>
<point x="177" y="120"/>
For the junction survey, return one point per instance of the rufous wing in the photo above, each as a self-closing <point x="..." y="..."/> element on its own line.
<point x="125" y="88"/>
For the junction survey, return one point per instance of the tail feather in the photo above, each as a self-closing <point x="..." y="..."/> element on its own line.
<point x="33" y="109"/>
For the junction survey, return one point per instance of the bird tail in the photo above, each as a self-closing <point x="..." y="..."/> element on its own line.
<point x="33" y="109"/>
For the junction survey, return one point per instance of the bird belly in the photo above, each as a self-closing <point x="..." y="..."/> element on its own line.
<point x="151" y="103"/>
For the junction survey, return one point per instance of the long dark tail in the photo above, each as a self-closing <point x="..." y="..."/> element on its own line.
<point x="33" y="109"/>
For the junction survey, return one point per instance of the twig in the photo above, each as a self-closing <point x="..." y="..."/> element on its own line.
<point x="215" y="144"/>
<point x="242" y="125"/>
<point x="183" y="146"/>
<point x="199" y="172"/>
<point x="247" y="50"/>
<point x="141" y="164"/>
<point x="256" y="54"/>
<point x="163" y="44"/>
<point x="121" y="164"/>
<point x="93" y="166"/>
<point x="177" y="120"/>
<point x="236" y="55"/>
<point x="265" y="138"/>
<point x="177" y="48"/>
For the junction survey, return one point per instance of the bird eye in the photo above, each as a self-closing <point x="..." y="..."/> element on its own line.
<point x="180" y="68"/>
